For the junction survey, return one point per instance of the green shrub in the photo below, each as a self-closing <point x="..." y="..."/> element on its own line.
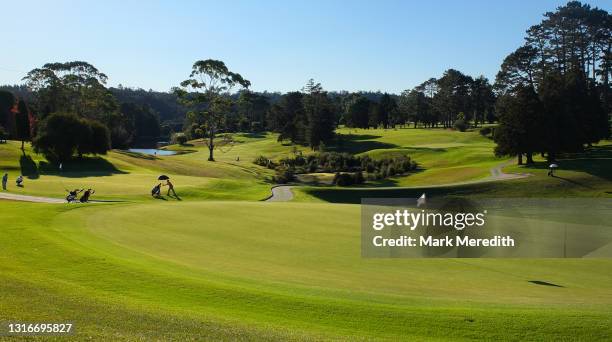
<point x="284" y="175"/>
<point x="346" y="179"/>
<point x="460" y="125"/>
<point x="179" y="138"/>
<point x="265" y="162"/>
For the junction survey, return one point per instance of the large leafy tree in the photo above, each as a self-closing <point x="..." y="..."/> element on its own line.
<point x="453" y="96"/>
<point x="358" y="113"/>
<point x="76" y="87"/>
<point x="482" y="98"/>
<point x="387" y="107"/>
<point x="566" y="61"/>
<point x="252" y="108"/>
<point x="206" y="91"/>
<point x="520" y="124"/>
<point x="287" y="117"/>
<point x="62" y="135"/>
<point x="7" y="104"/>
<point x="80" y="88"/>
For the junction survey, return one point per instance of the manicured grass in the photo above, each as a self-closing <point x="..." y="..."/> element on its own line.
<point x="130" y="176"/>
<point x="219" y="270"/>
<point x="220" y="265"/>
<point x="586" y="174"/>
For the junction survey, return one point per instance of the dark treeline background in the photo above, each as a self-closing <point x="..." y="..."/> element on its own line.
<point x="552" y="95"/>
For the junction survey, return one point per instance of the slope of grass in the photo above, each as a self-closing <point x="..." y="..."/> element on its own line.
<point x="130" y="176"/>
<point x="274" y="271"/>
<point x="586" y="174"/>
<point x="444" y="156"/>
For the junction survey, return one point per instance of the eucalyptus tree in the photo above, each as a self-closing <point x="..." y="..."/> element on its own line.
<point x="76" y="87"/>
<point x="206" y="93"/>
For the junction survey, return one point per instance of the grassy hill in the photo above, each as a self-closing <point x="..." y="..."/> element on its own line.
<point x="222" y="265"/>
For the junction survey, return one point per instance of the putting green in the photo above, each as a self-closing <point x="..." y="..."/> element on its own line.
<point x="275" y="271"/>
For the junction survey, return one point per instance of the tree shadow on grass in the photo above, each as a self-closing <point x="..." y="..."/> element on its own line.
<point x="28" y="167"/>
<point x="573" y="181"/>
<point x="596" y="161"/>
<point x="358" y="143"/>
<point x="137" y="155"/>
<point x="81" y="167"/>
<point x="253" y="135"/>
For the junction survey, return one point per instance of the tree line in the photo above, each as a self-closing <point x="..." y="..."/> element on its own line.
<point x="554" y="90"/>
<point x="65" y="96"/>
<point x="552" y="95"/>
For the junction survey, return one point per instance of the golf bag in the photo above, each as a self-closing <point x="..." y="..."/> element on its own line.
<point x="156" y="191"/>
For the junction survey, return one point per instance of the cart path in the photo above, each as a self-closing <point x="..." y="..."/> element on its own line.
<point x="281" y="193"/>
<point x="38" y="199"/>
<point x="27" y="198"/>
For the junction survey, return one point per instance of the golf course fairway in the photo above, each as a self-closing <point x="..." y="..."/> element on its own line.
<point x="218" y="263"/>
<point x="256" y="270"/>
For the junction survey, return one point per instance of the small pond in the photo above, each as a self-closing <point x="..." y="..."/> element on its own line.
<point x="152" y="151"/>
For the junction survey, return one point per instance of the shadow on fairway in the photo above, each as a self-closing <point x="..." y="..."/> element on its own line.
<point x="137" y="155"/>
<point x="544" y="283"/>
<point x="358" y="143"/>
<point x="81" y="167"/>
<point x="573" y="181"/>
<point x="28" y="167"/>
<point x="596" y="161"/>
<point x="253" y="135"/>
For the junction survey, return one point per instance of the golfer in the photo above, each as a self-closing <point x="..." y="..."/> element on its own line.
<point x="170" y="188"/>
<point x="4" y="181"/>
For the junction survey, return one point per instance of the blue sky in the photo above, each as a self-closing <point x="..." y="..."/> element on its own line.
<point x="277" y="45"/>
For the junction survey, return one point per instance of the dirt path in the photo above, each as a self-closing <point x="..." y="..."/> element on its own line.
<point x="282" y="193"/>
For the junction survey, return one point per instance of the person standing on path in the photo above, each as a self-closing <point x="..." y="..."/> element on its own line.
<point x="4" y="181"/>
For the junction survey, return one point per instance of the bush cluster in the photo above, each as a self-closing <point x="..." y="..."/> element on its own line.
<point x="460" y="125"/>
<point x="179" y="138"/>
<point x="348" y="168"/>
<point x="346" y="179"/>
<point x="284" y="174"/>
<point x="265" y="162"/>
<point x="485" y="131"/>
